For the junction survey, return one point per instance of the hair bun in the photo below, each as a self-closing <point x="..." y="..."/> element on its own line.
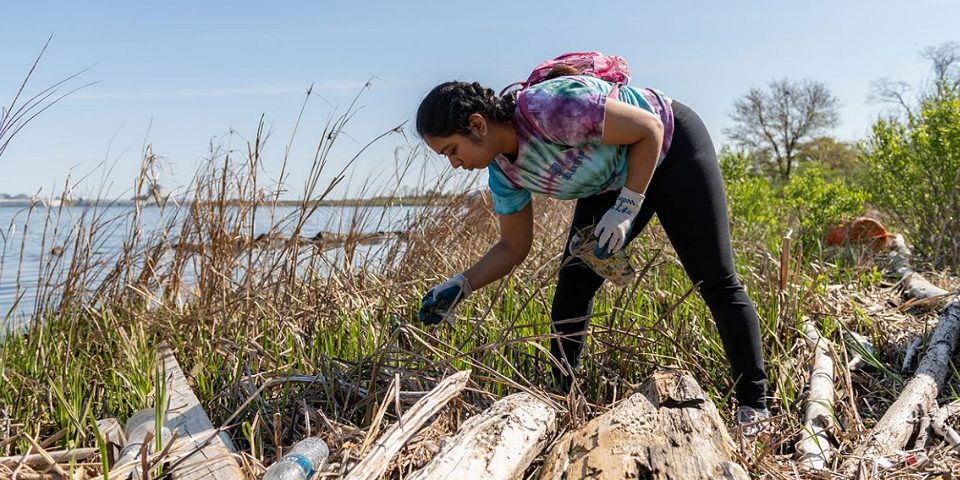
<point x="447" y="108"/>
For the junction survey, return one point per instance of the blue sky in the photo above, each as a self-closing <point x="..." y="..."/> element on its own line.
<point x="182" y="74"/>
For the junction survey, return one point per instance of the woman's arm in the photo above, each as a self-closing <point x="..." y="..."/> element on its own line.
<point x="516" y="237"/>
<point x="626" y="124"/>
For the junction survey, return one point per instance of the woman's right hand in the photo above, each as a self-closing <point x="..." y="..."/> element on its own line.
<point x="441" y="300"/>
<point x="516" y="237"/>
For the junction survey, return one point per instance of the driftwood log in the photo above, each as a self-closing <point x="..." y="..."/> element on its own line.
<point x="917" y="399"/>
<point x="814" y="448"/>
<point x="499" y="443"/>
<point x="912" y="285"/>
<point x="377" y="460"/>
<point x="669" y="430"/>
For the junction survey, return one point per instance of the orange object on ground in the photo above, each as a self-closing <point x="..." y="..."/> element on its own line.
<point x="860" y="231"/>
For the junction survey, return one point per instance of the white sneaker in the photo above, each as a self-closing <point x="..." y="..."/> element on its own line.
<point x="751" y="421"/>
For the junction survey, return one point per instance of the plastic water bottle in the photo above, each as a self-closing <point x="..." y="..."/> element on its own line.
<point x="139" y="425"/>
<point x="301" y="462"/>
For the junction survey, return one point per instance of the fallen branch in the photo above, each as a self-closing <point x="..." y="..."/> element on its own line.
<point x="912" y="349"/>
<point x="375" y="463"/>
<point x="913" y="286"/>
<point x="499" y="443"/>
<point x="43" y="460"/>
<point x="917" y="399"/>
<point x="939" y="423"/>
<point x="360" y="392"/>
<point x="814" y="448"/>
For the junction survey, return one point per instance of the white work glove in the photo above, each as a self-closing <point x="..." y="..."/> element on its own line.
<point x="612" y="230"/>
<point x="440" y="301"/>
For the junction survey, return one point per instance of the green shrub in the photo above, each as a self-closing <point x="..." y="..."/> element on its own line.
<point x="914" y="175"/>
<point x="752" y="200"/>
<point x="818" y="203"/>
<point x="809" y="203"/>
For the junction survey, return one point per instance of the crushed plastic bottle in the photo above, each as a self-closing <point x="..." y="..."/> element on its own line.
<point x="301" y="462"/>
<point x="139" y="426"/>
<point x="910" y="458"/>
<point x="913" y="458"/>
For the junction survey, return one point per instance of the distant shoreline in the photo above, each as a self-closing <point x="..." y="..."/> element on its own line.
<point x="349" y="202"/>
<point x="364" y="202"/>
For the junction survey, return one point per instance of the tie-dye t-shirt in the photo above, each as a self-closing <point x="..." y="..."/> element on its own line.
<point x="560" y="149"/>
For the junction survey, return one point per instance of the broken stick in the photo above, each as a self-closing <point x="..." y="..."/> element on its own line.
<point x="375" y="463"/>
<point x="499" y="443"/>
<point x="814" y="447"/>
<point x="918" y="397"/>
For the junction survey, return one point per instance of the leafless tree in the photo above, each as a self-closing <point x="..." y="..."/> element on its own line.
<point x="779" y="119"/>
<point x="945" y="62"/>
<point x="887" y="90"/>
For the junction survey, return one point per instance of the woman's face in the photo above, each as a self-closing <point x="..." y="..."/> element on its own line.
<point x="469" y="152"/>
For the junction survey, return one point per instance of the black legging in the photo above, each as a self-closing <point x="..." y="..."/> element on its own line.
<point x="686" y="192"/>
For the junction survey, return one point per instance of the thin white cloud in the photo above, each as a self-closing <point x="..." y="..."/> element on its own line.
<point x="211" y="92"/>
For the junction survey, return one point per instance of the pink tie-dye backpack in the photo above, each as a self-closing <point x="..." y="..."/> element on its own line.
<point x="595" y="64"/>
<point x="611" y="68"/>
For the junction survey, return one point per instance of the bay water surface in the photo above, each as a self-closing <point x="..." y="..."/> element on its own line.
<point x="32" y="239"/>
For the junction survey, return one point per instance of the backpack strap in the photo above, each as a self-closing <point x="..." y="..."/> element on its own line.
<point x="615" y="92"/>
<point x="514" y="84"/>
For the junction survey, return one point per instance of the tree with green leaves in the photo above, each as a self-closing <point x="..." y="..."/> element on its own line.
<point x="775" y="122"/>
<point x="838" y="160"/>
<point x="914" y="162"/>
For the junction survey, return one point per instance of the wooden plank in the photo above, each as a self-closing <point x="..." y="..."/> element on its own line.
<point x="194" y="430"/>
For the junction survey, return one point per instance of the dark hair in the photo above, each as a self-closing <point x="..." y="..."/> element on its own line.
<point x="561" y="70"/>
<point x="447" y="108"/>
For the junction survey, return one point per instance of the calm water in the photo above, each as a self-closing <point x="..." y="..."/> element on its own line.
<point x="25" y="247"/>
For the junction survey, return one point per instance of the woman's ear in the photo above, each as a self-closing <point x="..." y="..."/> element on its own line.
<point x="478" y="124"/>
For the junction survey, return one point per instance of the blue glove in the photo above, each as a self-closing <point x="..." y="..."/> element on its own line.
<point x="613" y="228"/>
<point x="439" y="302"/>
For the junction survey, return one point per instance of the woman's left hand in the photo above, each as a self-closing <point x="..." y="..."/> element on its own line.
<point x="613" y="228"/>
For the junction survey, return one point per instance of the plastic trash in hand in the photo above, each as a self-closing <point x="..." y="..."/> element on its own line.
<point x="615" y="267"/>
<point x="301" y="462"/>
